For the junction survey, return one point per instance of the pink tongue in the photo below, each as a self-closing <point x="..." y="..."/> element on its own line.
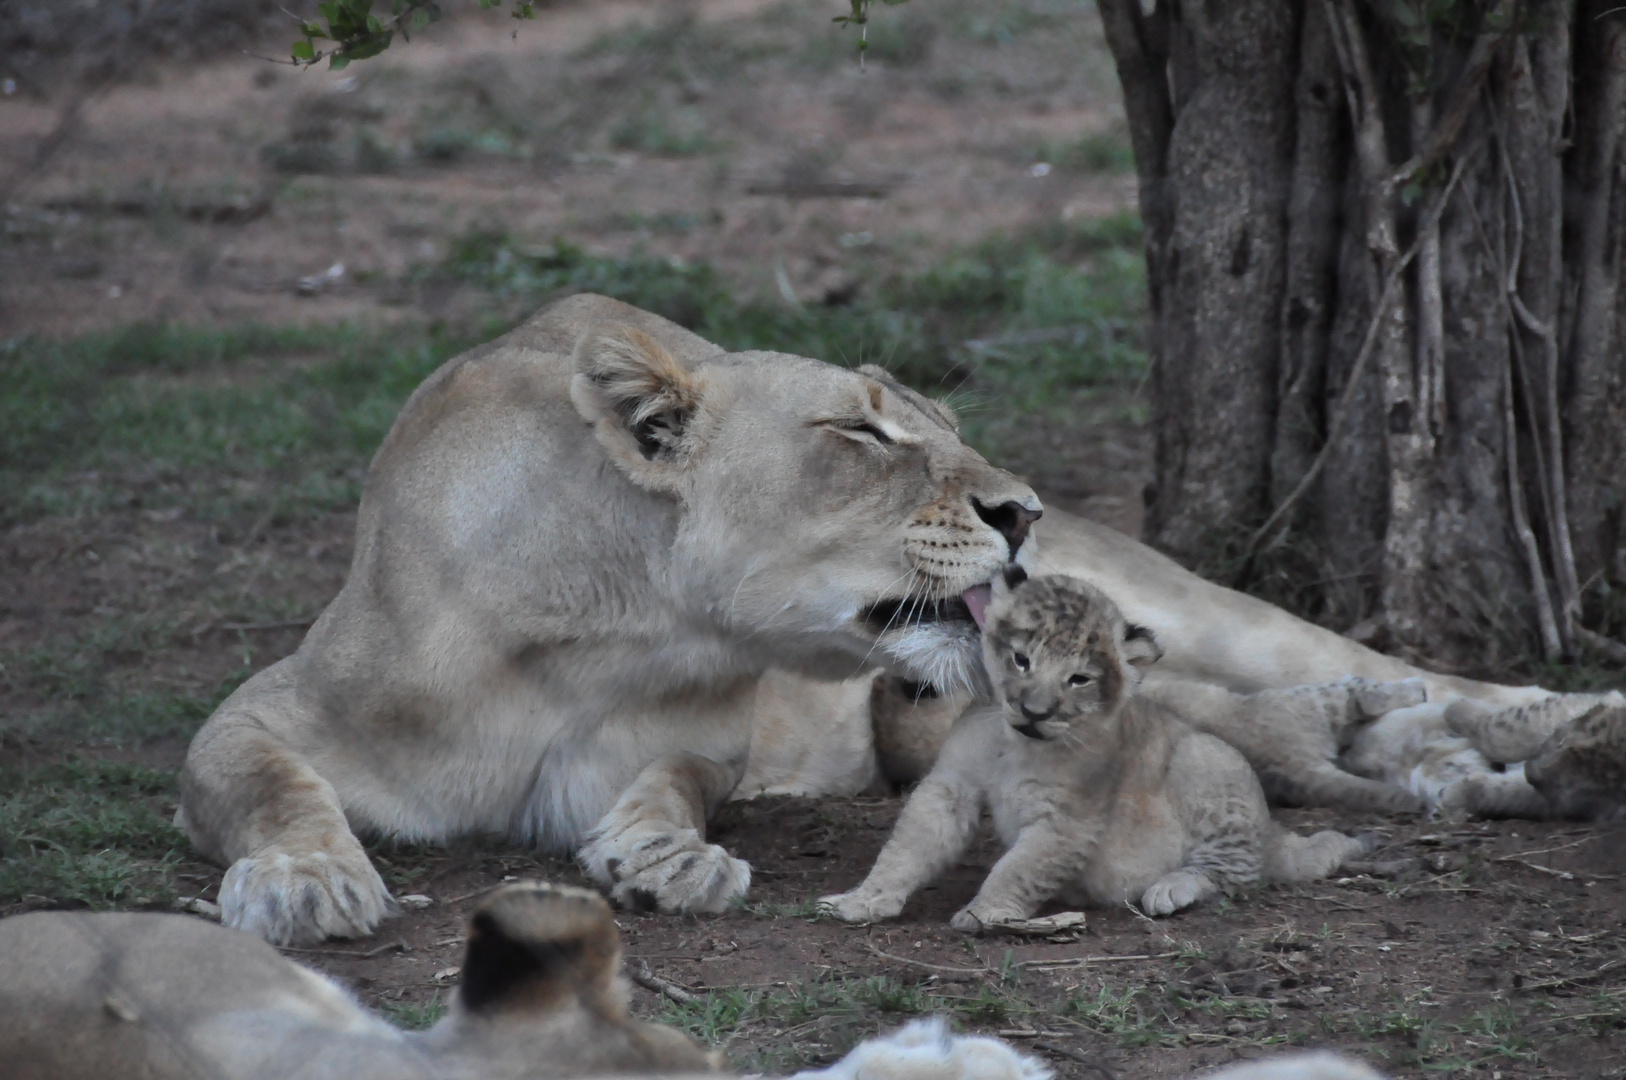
<point x="976" y="598"/>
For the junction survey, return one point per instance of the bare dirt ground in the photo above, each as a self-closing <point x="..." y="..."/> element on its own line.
<point x="743" y="135"/>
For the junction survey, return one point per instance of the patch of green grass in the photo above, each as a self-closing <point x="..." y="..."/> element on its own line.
<point x="1124" y="1014"/>
<point x="1097" y="152"/>
<point x="88" y="832"/>
<point x="662" y="130"/>
<point x="1036" y="321"/>
<point x="222" y="421"/>
<point x="415" y="1015"/>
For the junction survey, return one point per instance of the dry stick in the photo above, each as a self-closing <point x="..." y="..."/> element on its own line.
<point x="1608" y="648"/>
<point x="398" y="943"/>
<point x="984" y="970"/>
<point x="1391" y="285"/>
<point x="1081" y="961"/>
<point x="650" y="981"/>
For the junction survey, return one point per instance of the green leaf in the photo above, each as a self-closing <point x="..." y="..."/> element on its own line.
<point x="304" y="52"/>
<point x="338" y="62"/>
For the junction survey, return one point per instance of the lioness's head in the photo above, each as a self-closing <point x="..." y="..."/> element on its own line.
<point x="1060" y="654"/>
<point x="827" y="517"/>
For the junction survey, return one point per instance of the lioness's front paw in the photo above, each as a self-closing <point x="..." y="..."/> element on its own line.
<point x="1175" y="892"/>
<point x="302" y="897"/>
<point x="859" y="906"/>
<point x="671" y="872"/>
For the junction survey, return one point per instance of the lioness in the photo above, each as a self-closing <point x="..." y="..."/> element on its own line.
<point x="577" y="550"/>
<point x="1099" y="795"/>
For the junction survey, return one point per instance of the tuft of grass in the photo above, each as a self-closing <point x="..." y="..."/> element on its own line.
<point x="1040" y="321"/>
<point x="89" y="833"/>
<point x="415" y="1015"/>
<point x="155" y="416"/>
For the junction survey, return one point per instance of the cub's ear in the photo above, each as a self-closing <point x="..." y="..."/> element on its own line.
<point x="640" y="401"/>
<point x="1141" y="648"/>
<point x="1014" y="575"/>
<point x="532" y="945"/>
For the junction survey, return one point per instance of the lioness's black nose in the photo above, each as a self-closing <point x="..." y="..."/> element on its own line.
<point x="1012" y="519"/>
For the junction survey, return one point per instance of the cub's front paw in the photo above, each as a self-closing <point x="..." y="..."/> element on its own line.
<point x="292" y="897"/>
<point x="1175" y="892"/>
<point x="974" y="918"/>
<point x="671" y="872"/>
<point x="859" y="906"/>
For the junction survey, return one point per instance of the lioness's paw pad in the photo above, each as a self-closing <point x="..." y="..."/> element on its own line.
<point x="860" y="907"/>
<point x="303" y="897"/>
<point x="671" y="872"/>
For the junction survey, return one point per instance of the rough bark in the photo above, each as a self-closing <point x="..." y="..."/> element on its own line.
<point x="1217" y="347"/>
<point x="1453" y="459"/>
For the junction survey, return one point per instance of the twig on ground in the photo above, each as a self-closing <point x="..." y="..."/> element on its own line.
<point x="1079" y="961"/>
<point x="984" y="970"/>
<point x="650" y="981"/>
<point x="399" y="944"/>
<point x="1073" y="1055"/>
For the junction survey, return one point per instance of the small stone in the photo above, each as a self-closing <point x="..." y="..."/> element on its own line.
<point x="414" y="901"/>
<point x="447" y="973"/>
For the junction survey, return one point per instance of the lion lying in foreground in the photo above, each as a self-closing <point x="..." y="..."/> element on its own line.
<point x="109" y="997"/>
<point x="579" y="549"/>
<point x="167" y="997"/>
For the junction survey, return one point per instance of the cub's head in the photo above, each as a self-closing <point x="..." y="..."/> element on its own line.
<point x="542" y="995"/>
<point x="1060" y="655"/>
<point x="826" y="517"/>
<point x="1581" y="768"/>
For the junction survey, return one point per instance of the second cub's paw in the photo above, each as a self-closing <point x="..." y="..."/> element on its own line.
<point x="859" y="906"/>
<point x="1175" y="892"/>
<point x="292" y="897"/>
<point x="671" y="872"/>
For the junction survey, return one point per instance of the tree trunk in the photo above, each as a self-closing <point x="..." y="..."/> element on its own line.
<point x="1384" y="249"/>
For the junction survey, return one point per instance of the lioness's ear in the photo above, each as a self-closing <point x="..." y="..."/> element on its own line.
<point x="640" y="402"/>
<point x="1141" y="648"/>
<point x="531" y="945"/>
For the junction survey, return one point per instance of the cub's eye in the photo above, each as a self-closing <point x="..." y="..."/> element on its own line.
<point x="1079" y="680"/>
<point x="1021" y="661"/>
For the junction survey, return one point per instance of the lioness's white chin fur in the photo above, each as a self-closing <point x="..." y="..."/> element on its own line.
<point x="946" y="656"/>
<point x="925" y="1050"/>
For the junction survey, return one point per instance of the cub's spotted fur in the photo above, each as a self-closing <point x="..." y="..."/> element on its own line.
<point x="1099" y="796"/>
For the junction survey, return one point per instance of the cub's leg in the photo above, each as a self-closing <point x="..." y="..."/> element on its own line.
<point x="1514" y="734"/>
<point x="1322" y="783"/>
<point x="297" y="873"/>
<point x="932" y="832"/>
<point x="1042" y="861"/>
<point x="1223" y="812"/>
<point x="650" y="850"/>
<point x="1291" y="857"/>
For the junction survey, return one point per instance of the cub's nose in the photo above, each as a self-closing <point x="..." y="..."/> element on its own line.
<point x="1010" y="519"/>
<point x="1033" y="716"/>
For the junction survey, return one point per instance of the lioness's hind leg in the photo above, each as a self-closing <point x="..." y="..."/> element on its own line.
<point x="650" y="850"/>
<point x="297" y="874"/>
<point x="1290" y="857"/>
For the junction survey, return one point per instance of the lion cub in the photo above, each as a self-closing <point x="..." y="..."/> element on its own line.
<point x="1099" y="796"/>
